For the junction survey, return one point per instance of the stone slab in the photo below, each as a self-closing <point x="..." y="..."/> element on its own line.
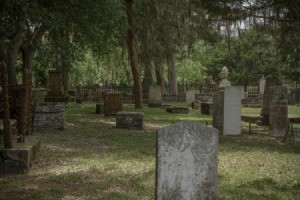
<point x="190" y="97"/>
<point x="218" y="111"/>
<point x="232" y="110"/>
<point x="177" y="109"/>
<point x="112" y="103"/>
<point x="19" y="159"/>
<point x="155" y="95"/>
<point x="278" y="111"/>
<point x="187" y="162"/>
<point x="130" y="120"/>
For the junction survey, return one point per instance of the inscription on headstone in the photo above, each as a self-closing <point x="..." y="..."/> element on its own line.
<point x="187" y="162"/>
<point x="278" y="111"/>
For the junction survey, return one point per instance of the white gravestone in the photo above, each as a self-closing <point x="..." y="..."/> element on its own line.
<point x="190" y="97"/>
<point x="232" y="110"/>
<point x="155" y="96"/>
<point x="187" y="162"/>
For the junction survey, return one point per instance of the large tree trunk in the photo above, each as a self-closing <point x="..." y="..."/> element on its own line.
<point x="6" y="116"/>
<point x="9" y="50"/>
<point x="65" y="61"/>
<point x="65" y="77"/>
<point x="146" y="55"/>
<point x="148" y="78"/>
<point x="172" y="72"/>
<point x="159" y="74"/>
<point x="133" y="56"/>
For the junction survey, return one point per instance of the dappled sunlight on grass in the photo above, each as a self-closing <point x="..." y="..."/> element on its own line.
<point x="92" y="159"/>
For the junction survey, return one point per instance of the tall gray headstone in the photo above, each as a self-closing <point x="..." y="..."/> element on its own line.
<point x="232" y="110"/>
<point x="187" y="162"/>
<point x="218" y="111"/>
<point x="262" y="86"/>
<point x="155" y="96"/>
<point x="278" y="111"/>
<point x="190" y="97"/>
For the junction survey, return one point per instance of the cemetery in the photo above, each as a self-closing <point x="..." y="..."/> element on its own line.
<point x="164" y="100"/>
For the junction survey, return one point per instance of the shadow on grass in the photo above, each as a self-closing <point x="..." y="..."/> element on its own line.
<point x="264" y="188"/>
<point x="256" y="142"/>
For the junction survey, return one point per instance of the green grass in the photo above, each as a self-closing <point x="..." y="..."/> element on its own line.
<point x="92" y="159"/>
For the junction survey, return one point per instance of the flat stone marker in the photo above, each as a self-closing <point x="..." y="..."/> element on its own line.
<point x="190" y="97"/>
<point x="278" y="111"/>
<point x="187" y="162"/>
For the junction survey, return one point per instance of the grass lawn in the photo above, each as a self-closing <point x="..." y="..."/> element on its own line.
<point x="92" y="159"/>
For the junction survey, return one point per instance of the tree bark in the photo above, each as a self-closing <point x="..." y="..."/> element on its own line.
<point x="133" y="56"/>
<point x="172" y="72"/>
<point x="160" y="74"/>
<point x="6" y="116"/>
<point x="9" y="49"/>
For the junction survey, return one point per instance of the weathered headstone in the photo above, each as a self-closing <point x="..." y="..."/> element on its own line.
<point x="190" y="97"/>
<point x="265" y="107"/>
<point x="218" y="111"/>
<point x="112" y="103"/>
<point x="262" y="85"/>
<point x="55" y="88"/>
<point x="55" y="84"/>
<point x="278" y="111"/>
<point x="187" y="162"/>
<point x="130" y="120"/>
<point x="155" y="96"/>
<point x="232" y="110"/>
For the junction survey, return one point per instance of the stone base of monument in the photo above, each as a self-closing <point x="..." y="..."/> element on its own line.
<point x="130" y="120"/>
<point x="100" y="108"/>
<point x="49" y="117"/>
<point x="19" y="159"/>
<point x="177" y="109"/>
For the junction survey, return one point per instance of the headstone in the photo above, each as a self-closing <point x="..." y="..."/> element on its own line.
<point x="262" y="85"/>
<point x="265" y="107"/>
<point x="278" y="111"/>
<point x="112" y="103"/>
<point x="232" y="110"/>
<point x="218" y="111"/>
<point x="130" y="120"/>
<point x="190" y="97"/>
<point x="187" y="162"/>
<point x="155" y="96"/>
<point x="55" y="84"/>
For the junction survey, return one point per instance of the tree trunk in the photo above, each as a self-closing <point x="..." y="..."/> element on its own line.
<point x="148" y="78"/>
<point x="172" y="72"/>
<point x="6" y="115"/>
<point x="133" y="56"/>
<point x="65" y="76"/>
<point x="160" y="74"/>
